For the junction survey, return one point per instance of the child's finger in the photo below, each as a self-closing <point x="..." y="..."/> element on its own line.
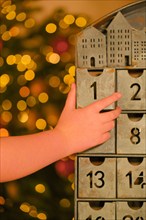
<point x="111" y="115"/>
<point x="71" y="98"/>
<point x="109" y="126"/>
<point x="106" y="136"/>
<point x="105" y="102"/>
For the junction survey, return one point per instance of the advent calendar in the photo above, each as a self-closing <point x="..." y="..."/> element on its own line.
<point x="110" y="179"/>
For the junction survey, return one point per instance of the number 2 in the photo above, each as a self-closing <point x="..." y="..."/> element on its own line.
<point x="135" y="96"/>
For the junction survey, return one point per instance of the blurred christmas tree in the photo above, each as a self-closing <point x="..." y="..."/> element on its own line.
<point x="37" y="68"/>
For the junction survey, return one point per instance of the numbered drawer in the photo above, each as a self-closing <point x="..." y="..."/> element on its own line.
<point x="92" y="86"/>
<point x="96" y="177"/>
<point x="96" y="210"/>
<point x="132" y="210"/>
<point x="106" y="147"/>
<point x="131" y="133"/>
<point x="131" y="177"/>
<point x="132" y="84"/>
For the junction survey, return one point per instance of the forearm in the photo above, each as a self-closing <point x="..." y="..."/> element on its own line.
<point x="23" y="155"/>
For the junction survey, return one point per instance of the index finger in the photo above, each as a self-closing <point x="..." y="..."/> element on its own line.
<point x="105" y="102"/>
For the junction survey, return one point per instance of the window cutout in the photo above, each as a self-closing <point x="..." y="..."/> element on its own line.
<point x="95" y="72"/>
<point x="135" y="204"/>
<point x="135" y="73"/>
<point x="92" y="61"/>
<point x="135" y="116"/>
<point x="135" y="161"/>
<point x="127" y="60"/>
<point x="97" y="161"/>
<point x="96" y="205"/>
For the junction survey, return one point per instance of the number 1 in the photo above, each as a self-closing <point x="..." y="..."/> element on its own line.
<point x="94" y="89"/>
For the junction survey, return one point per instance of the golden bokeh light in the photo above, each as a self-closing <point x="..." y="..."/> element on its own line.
<point x="41" y="124"/>
<point x="23" y="117"/>
<point x="4" y="80"/>
<point x="81" y="22"/>
<point x="6" y="3"/>
<point x="53" y="58"/>
<point x="10" y="8"/>
<point x="40" y="188"/>
<point x="33" y="212"/>
<point x="21" y="16"/>
<point x="31" y="101"/>
<point x="21" y="105"/>
<point x="72" y="70"/>
<point x="14" y="31"/>
<point x="6" y="116"/>
<point x="32" y="65"/>
<point x="65" y="203"/>
<point x="11" y="15"/>
<point x="25" y="59"/>
<point x="63" y="25"/>
<point x="6" y="36"/>
<point x="42" y="216"/>
<point x="69" y="19"/>
<point x="21" y="67"/>
<point x="29" y="75"/>
<point x="54" y="81"/>
<point x="11" y="59"/>
<point x="63" y="88"/>
<point x="6" y="104"/>
<point x="51" y="28"/>
<point x="4" y="133"/>
<point x="18" y="58"/>
<point x="43" y="97"/>
<point x="25" y="207"/>
<point x="29" y="23"/>
<point x="68" y="79"/>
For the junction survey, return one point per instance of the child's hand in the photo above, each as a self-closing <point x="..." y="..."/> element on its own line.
<point x="86" y="127"/>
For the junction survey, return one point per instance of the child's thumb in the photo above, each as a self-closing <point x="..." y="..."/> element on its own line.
<point x="71" y="98"/>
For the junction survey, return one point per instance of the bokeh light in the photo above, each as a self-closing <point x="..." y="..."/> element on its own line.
<point x="29" y="75"/>
<point x="21" y="16"/>
<point x="42" y="216"/>
<point x="21" y="105"/>
<point x="69" y="19"/>
<point x="41" y="124"/>
<point x="23" y="116"/>
<point x="40" y="188"/>
<point x="81" y="22"/>
<point x="65" y="203"/>
<point x="6" y="104"/>
<point x="51" y="28"/>
<point x="25" y="207"/>
<point x="6" y="116"/>
<point x="4" y="80"/>
<point x="53" y="58"/>
<point x="29" y="23"/>
<point x="43" y="97"/>
<point x="11" y="15"/>
<point x="4" y="133"/>
<point x="11" y="59"/>
<point x="24" y="91"/>
<point x="54" y="81"/>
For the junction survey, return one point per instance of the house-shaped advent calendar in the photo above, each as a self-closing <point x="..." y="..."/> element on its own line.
<point x="110" y="179"/>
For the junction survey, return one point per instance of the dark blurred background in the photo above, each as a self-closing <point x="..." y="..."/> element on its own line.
<point x="37" y="67"/>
